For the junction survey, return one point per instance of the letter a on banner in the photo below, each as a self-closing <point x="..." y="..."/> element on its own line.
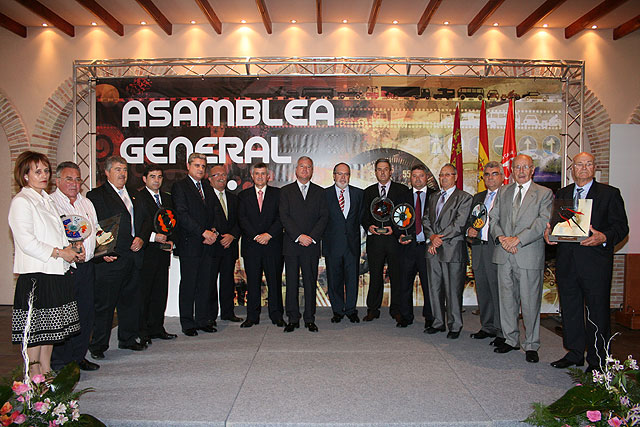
<point x="509" y="144"/>
<point x="456" y="149"/>
<point x="483" y="148"/>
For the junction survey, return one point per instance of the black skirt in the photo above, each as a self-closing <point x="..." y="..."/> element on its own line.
<point x="54" y="315"/>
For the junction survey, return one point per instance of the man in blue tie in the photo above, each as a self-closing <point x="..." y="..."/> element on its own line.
<point x="484" y="270"/>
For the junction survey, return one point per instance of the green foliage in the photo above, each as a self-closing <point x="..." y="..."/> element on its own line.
<point x="579" y="400"/>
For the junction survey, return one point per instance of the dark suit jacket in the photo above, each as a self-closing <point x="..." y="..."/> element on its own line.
<point x="408" y="198"/>
<point x="343" y="234"/>
<point x="108" y="203"/>
<point x="302" y="216"/>
<point x="475" y="241"/>
<point x="226" y="225"/>
<point x="607" y="216"/>
<point x="397" y="194"/>
<point x="151" y="208"/>
<point x="193" y="216"/>
<point x="254" y="222"/>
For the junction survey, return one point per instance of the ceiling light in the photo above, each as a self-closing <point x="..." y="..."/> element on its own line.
<point x="446" y="22"/>
<point x="243" y="21"/>
<point x="594" y="27"/>
<point x="344" y="21"/>
<point x="94" y="24"/>
<point x="44" y="24"/>
<point x="495" y="24"/>
<point x="545" y="25"/>
<point x="193" y="22"/>
<point x="395" y="21"/>
<point x="143" y="22"/>
<point x="293" y="21"/>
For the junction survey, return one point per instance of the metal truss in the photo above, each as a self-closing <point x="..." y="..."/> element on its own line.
<point x="85" y="73"/>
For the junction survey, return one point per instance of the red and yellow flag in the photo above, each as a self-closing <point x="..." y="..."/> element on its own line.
<point x="483" y="148"/>
<point x="456" y="149"/>
<point x="509" y="144"/>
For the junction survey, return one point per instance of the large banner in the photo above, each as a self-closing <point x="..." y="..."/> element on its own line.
<point x="238" y="121"/>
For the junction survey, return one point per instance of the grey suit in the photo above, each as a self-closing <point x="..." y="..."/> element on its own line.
<point x="520" y="274"/>
<point x="446" y="269"/>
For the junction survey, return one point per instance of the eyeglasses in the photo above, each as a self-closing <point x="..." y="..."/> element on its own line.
<point x="491" y="174"/>
<point x="522" y="167"/>
<point x="583" y="165"/>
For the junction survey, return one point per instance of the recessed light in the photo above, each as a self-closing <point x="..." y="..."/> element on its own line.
<point x="495" y="24"/>
<point x="44" y="24"/>
<point x="446" y="22"/>
<point x="94" y="23"/>
<point x="545" y="25"/>
<point x="594" y="27"/>
<point x="395" y="21"/>
<point x="143" y="22"/>
<point x="344" y="21"/>
<point x="293" y="21"/>
<point x="243" y="21"/>
<point x="193" y="22"/>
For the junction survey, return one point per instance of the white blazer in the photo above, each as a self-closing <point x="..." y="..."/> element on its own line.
<point x="37" y="229"/>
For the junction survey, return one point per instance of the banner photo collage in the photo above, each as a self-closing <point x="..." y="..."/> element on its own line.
<point x="238" y="121"/>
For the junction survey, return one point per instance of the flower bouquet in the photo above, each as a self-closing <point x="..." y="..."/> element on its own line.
<point x="44" y="401"/>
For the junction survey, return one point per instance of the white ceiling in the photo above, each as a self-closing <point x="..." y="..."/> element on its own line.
<point x="457" y="12"/>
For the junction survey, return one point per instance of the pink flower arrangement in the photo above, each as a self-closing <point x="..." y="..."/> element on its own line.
<point x="594" y="415"/>
<point x="615" y="422"/>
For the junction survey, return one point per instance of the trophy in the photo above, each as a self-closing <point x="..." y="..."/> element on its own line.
<point x="479" y="216"/>
<point x="77" y="228"/>
<point x="381" y="211"/>
<point x="164" y="222"/>
<point x="403" y="217"/>
<point x="107" y="236"/>
<point x="570" y="223"/>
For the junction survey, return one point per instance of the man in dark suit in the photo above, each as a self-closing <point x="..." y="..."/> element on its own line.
<point x="225" y="249"/>
<point x="259" y="221"/>
<point x="382" y="247"/>
<point x="193" y="200"/>
<point x="485" y="271"/>
<point x="155" y="265"/>
<point x="303" y="212"/>
<point x="118" y="278"/>
<point x="518" y="219"/>
<point x="447" y="252"/>
<point x="584" y="269"/>
<point x="413" y="253"/>
<point x="341" y="244"/>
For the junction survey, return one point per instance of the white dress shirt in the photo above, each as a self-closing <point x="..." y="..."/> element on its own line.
<point x="85" y="209"/>
<point x="347" y="200"/>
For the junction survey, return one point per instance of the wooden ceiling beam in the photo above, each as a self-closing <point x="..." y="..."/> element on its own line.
<point x="102" y="14"/>
<point x="627" y="28"/>
<point x="594" y="14"/>
<point x="483" y="15"/>
<point x="213" y="19"/>
<point x="157" y="16"/>
<point x="48" y="15"/>
<point x="373" y="16"/>
<point x="538" y="15"/>
<point x="319" y="15"/>
<point x="427" y="15"/>
<point x="13" y="26"/>
<point x="266" y="19"/>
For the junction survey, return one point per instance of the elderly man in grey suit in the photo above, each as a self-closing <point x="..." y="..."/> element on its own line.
<point x="518" y="220"/>
<point x="447" y="252"/>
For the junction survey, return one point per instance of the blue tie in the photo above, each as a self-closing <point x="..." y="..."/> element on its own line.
<point x="157" y="197"/>
<point x="577" y="197"/>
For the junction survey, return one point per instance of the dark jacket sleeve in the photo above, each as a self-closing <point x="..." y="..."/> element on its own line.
<point x="181" y="206"/>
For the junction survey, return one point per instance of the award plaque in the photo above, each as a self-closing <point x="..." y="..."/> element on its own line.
<point x="568" y="223"/>
<point x="479" y="216"/>
<point x="403" y="217"/>
<point x="77" y="228"/>
<point x="107" y="236"/>
<point x="164" y="222"/>
<point x="381" y="209"/>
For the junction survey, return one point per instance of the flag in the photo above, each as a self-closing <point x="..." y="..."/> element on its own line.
<point x="509" y="143"/>
<point x="483" y="148"/>
<point x="456" y="148"/>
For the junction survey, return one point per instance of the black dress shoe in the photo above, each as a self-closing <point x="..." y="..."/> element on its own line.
<point x="370" y="316"/>
<point x="248" y="323"/>
<point x="135" y="346"/>
<point x="208" y="329"/>
<point x="85" y="365"/>
<point x="98" y="355"/>
<point x="531" y="356"/>
<point x="505" y="348"/>
<point x="453" y="335"/>
<point x="311" y="326"/>
<point x="291" y="326"/>
<point x="353" y="318"/>
<point x="427" y="323"/>
<point x="401" y="322"/>
<point x="497" y="342"/>
<point x="146" y="341"/>
<point x="191" y="332"/>
<point x="233" y="318"/>
<point x="279" y="323"/>
<point x="565" y="363"/>
<point x="481" y="334"/>
<point x="213" y="323"/>
<point x="337" y="318"/>
<point x="431" y="330"/>
<point x="164" y="336"/>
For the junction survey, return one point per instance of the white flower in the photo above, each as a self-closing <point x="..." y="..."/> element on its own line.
<point x="62" y="419"/>
<point x="73" y="404"/>
<point x="75" y="415"/>
<point x="610" y="359"/>
<point x="618" y="366"/>
<point x="632" y="363"/>
<point x="624" y="401"/>
<point x="60" y="409"/>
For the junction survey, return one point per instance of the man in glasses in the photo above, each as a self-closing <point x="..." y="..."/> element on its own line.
<point x="584" y="269"/>
<point x="484" y="270"/>
<point x="518" y="219"/>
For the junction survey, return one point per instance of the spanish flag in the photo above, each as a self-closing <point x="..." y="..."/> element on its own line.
<point x="483" y="148"/>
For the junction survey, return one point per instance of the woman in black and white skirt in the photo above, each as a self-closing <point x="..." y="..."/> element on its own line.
<point x="42" y="260"/>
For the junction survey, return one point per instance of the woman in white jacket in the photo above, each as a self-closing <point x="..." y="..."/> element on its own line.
<point x="42" y="260"/>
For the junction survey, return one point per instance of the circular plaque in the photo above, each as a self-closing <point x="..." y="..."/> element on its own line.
<point x="76" y="227"/>
<point x="479" y="216"/>
<point x="164" y="221"/>
<point x="403" y="216"/>
<point x="381" y="209"/>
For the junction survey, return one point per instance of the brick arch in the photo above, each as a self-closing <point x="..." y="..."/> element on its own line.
<point x="16" y="133"/>
<point x="635" y="117"/>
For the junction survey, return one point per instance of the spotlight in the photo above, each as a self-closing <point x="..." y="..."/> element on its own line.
<point x="193" y="22"/>
<point x="143" y="22"/>
<point x="446" y="22"/>
<point x="44" y="24"/>
<point x="243" y="21"/>
<point x="344" y="21"/>
<point x="94" y="24"/>
<point x="394" y="22"/>
<point x="545" y="25"/>
<point x="593" y="27"/>
<point x="495" y="24"/>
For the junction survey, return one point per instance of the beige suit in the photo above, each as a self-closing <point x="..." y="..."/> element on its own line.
<point x="520" y="274"/>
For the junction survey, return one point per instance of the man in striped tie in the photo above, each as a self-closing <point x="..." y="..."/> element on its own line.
<point x="341" y="244"/>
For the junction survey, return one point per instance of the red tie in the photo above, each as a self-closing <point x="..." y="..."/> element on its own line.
<point x="418" y="213"/>
<point x="341" y="200"/>
<point x="260" y="200"/>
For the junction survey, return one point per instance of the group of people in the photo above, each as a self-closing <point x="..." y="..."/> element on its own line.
<point x="290" y="228"/>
